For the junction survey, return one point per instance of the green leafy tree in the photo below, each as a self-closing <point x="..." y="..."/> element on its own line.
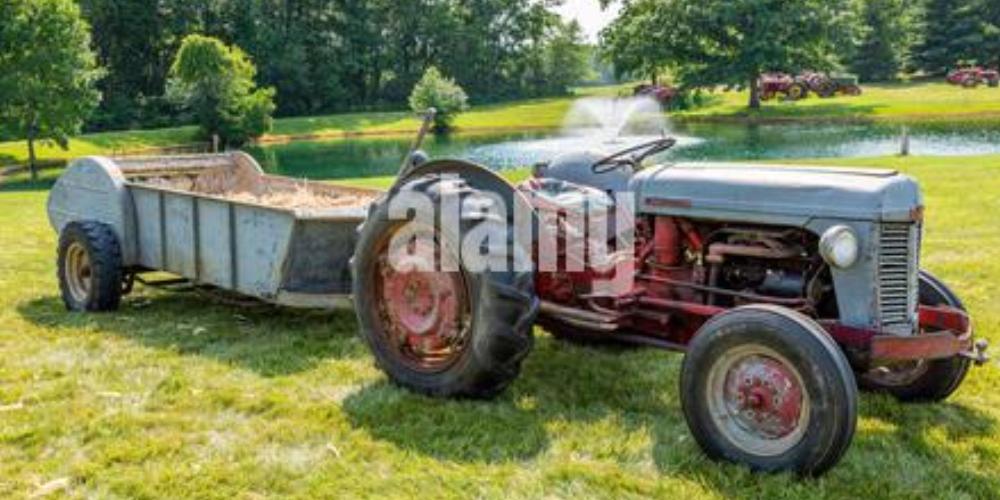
<point x="888" y="33"/>
<point x="732" y="42"/>
<point x="959" y="32"/>
<point x="48" y="73"/>
<point x="634" y="44"/>
<point x="567" y="58"/>
<point x="436" y="91"/>
<point x="216" y="82"/>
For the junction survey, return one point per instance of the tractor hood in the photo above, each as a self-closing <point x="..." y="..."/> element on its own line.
<point x="773" y="194"/>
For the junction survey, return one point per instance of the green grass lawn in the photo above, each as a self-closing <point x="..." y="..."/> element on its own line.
<point x="183" y="395"/>
<point x="911" y="101"/>
<point x="916" y="101"/>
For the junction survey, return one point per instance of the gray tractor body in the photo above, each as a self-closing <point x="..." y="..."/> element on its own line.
<point x="883" y="207"/>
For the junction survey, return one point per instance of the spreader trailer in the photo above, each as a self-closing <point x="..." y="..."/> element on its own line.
<point x="787" y="287"/>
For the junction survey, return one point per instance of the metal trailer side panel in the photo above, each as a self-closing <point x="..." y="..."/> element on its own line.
<point x="180" y="218"/>
<point x="148" y="232"/>
<point x="215" y="253"/>
<point x="262" y="237"/>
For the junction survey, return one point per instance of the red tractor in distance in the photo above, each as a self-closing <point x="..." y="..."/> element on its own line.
<point x="973" y="77"/>
<point x="774" y="84"/>
<point x="825" y="85"/>
<point x="663" y="94"/>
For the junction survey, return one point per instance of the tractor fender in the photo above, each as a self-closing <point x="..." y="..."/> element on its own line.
<point x="486" y="180"/>
<point x="478" y="176"/>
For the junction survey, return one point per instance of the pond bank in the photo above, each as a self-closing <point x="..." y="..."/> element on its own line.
<point x="892" y="103"/>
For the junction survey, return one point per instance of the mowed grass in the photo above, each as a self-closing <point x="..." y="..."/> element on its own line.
<point x="183" y="395"/>
<point x="918" y="101"/>
<point x="921" y="101"/>
<point x="537" y="113"/>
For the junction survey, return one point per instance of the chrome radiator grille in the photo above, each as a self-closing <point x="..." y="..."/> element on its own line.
<point x="898" y="276"/>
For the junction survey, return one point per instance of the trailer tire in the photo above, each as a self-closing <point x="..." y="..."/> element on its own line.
<point x="766" y="387"/>
<point x="90" y="267"/>
<point x="927" y="381"/>
<point x="499" y="307"/>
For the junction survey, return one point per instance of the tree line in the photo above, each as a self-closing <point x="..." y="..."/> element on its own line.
<point x="732" y="42"/>
<point x="324" y="56"/>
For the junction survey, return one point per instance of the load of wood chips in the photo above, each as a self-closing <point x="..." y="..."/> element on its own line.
<point x="243" y="183"/>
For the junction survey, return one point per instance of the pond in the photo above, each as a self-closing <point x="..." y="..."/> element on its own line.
<point x="380" y="156"/>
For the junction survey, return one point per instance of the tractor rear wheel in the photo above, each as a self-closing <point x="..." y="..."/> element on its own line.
<point x="766" y="387"/>
<point x="994" y="82"/>
<point x="90" y="267"/>
<point x="433" y="325"/>
<point x="922" y="380"/>
<point x="796" y="92"/>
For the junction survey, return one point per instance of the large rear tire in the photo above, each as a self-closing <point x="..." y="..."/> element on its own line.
<point x="766" y="387"/>
<point x="90" y="267"/>
<point x="922" y="381"/>
<point x="443" y="334"/>
<point x="796" y="92"/>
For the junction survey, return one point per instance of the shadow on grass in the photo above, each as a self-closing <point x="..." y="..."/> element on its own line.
<point x="558" y="383"/>
<point x="269" y="341"/>
<point x="637" y="392"/>
<point x="23" y="184"/>
<point x="596" y="399"/>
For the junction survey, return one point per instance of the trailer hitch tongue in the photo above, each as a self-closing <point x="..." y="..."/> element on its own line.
<point x="978" y="353"/>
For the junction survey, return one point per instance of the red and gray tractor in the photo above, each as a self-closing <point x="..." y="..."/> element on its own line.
<point x="788" y="288"/>
<point x="974" y="77"/>
<point x="773" y="85"/>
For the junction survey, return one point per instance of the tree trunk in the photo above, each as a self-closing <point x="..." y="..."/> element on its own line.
<point x="655" y="79"/>
<point x="32" y="163"/>
<point x="754" y="92"/>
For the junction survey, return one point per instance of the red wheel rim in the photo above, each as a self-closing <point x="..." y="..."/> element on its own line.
<point x="758" y="400"/>
<point x="423" y="311"/>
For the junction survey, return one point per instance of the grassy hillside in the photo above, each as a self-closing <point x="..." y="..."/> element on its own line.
<point x="185" y="395"/>
<point x="908" y="102"/>
<point x="914" y="102"/>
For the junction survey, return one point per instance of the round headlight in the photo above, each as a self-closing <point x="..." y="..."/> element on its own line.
<point x="840" y="247"/>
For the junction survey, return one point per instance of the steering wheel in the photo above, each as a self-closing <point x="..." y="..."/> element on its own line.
<point x="633" y="156"/>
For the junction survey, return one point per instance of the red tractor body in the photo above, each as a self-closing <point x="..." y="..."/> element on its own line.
<point x="973" y="77"/>
<point x="663" y="94"/>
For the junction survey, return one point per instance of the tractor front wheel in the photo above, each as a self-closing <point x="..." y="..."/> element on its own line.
<point x="433" y="325"/>
<point x="766" y="387"/>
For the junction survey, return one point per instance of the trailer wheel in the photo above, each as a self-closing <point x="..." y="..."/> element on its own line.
<point x="90" y="267"/>
<point x="446" y="332"/>
<point x="922" y="381"/>
<point x="766" y="387"/>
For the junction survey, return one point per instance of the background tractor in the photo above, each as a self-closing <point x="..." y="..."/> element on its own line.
<point x="973" y="77"/>
<point x="773" y="85"/>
